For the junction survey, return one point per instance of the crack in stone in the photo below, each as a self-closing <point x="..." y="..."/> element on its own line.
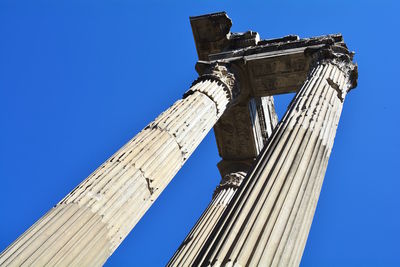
<point x="336" y="87"/>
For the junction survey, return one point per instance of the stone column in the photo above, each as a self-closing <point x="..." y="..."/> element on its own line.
<point x="91" y="221"/>
<point x="193" y="243"/>
<point x="268" y="219"/>
<point x="261" y="113"/>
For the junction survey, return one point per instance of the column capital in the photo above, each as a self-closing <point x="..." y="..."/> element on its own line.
<point x="219" y="72"/>
<point x="230" y="180"/>
<point x="339" y="56"/>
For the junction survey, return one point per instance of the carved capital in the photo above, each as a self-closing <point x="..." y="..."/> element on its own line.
<point x="219" y="72"/>
<point x="339" y="56"/>
<point x="231" y="180"/>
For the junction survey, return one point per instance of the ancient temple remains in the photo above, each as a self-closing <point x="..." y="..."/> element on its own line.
<point x="261" y="212"/>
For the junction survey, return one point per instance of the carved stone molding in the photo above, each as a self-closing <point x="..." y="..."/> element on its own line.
<point x="263" y="67"/>
<point x="212" y="35"/>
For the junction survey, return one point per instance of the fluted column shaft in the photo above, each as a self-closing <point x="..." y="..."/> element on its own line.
<point x="90" y="222"/>
<point x="268" y="219"/>
<point x="192" y="244"/>
<point x="264" y="121"/>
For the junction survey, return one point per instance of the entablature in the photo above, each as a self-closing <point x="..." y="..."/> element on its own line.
<point x="264" y="67"/>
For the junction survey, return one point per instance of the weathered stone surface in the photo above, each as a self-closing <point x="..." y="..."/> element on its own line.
<point x="268" y="219"/>
<point x="212" y="35"/>
<point x="264" y="67"/>
<point x="242" y="131"/>
<point x="245" y="128"/>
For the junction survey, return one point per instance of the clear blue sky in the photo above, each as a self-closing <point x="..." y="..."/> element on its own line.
<point x="78" y="79"/>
